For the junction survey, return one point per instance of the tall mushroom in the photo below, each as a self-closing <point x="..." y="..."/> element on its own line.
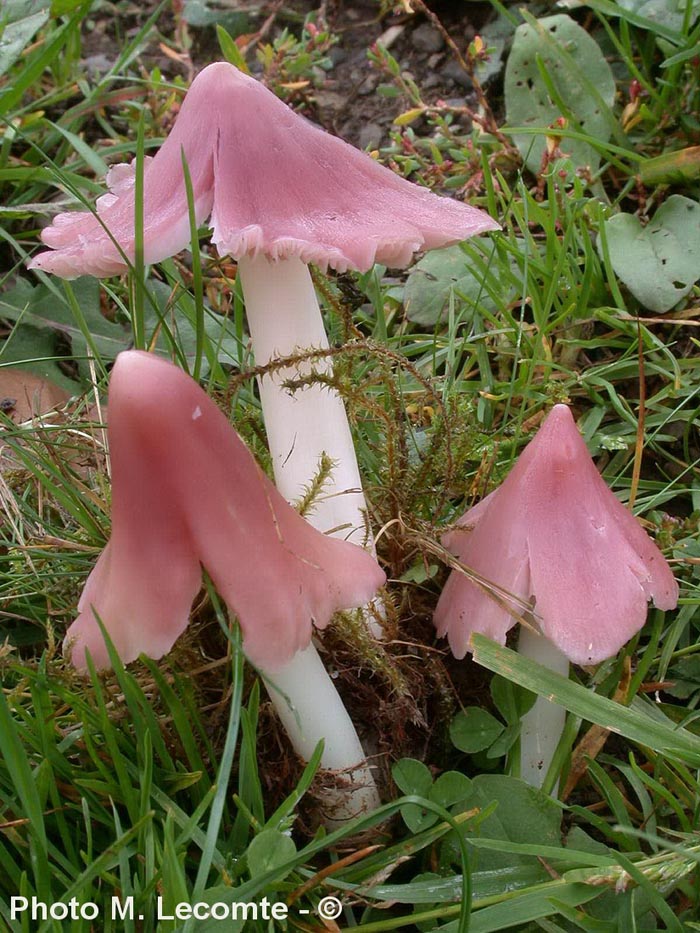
<point x="187" y="494"/>
<point x="553" y="532"/>
<point x="281" y="194"/>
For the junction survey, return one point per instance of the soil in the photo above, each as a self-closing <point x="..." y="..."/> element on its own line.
<point x="343" y="99"/>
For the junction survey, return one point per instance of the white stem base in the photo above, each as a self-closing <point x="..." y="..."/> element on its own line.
<point x="542" y="726"/>
<point x="310" y="709"/>
<point x="284" y="317"/>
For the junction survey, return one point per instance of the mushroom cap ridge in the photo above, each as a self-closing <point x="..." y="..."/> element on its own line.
<point x="272" y="184"/>
<point x="554" y="530"/>
<point x="187" y="494"/>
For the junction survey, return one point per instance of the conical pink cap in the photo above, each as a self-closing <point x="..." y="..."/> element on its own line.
<point x="186" y="494"/>
<point x="273" y="183"/>
<point x="554" y="531"/>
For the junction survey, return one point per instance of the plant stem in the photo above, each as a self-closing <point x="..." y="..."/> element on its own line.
<point x="543" y="724"/>
<point x="310" y="709"/>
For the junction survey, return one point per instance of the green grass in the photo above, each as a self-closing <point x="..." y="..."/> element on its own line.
<point x="170" y="779"/>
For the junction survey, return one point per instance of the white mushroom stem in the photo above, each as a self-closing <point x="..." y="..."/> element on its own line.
<point x="543" y="724"/>
<point x="310" y="709"/>
<point x="284" y="318"/>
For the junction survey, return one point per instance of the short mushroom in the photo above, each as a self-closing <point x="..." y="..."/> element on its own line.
<point x="281" y="193"/>
<point x="187" y="494"/>
<point x="553" y="531"/>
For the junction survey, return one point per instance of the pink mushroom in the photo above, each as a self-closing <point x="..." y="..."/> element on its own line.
<point x="187" y="494"/>
<point x="553" y="532"/>
<point x="280" y="193"/>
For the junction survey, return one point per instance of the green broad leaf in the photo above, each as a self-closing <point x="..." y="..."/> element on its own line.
<point x="650" y="14"/>
<point x="474" y="729"/>
<point x="200" y="15"/>
<point x="658" y="263"/>
<point x="413" y="777"/>
<point x="505" y="741"/>
<point x="34" y="349"/>
<point x="172" y="325"/>
<point x="555" y="69"/>
<point x="520" y="815"/>
<point x="41" y="306"/>
<point x="19" y="22"/>
<point x="268" y="850"/>
<point x="450" y="788"/>
<point x="685" y="674"/>
<point x="438" y="276"/>
<point x="167" y="324"/>
<point x="511" y="701"/>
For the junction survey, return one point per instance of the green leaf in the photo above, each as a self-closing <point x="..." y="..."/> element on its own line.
<point x="511" y="701"/>
<point x="474" y="729"/>
<point x="450" y="788"/>
<point x="24" y="786"/>
<point x="268" y="850"/>
<point x="579" y="75"/>
<point x="85" y="151"/>
<point x="496" y="35"/>
<point x="660" y="262"/>
<point x="530" y="905"/>
<point x="34" y="349"/>
<point x="18" y="24"/>
<point x="436" y="889"/>
<point x="61" y="7"/>
<point x="648" y="727"/>
<point x="680" y="166"/>
<point x="505" y="741"/>
<point x="523" y="815"/>
<point x="230" y="50"/>
<point x="434" y="278"/>
<point x="166" y="324"/>
<point x="40" y="306"/>
<point x="34" y="66"/>
<point x="686" y="677"/>
<point x="650" y="14"/>
<point x="174" y="325"/>
<point x="413" y="777"/>
<point x="200" y="15"/>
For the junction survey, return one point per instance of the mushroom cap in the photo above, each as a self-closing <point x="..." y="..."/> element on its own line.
<point x="272" y="182"/>
<point x="555" y="531"/>
<point x="187" y="494"/>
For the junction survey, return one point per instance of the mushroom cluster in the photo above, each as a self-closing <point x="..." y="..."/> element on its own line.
<point x="279" y="194"/>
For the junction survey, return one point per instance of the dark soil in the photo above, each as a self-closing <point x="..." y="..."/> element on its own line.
<point x="344" y="99"/>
